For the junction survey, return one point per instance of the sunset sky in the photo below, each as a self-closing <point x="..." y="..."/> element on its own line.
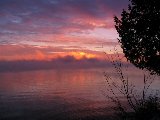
<point x="43" y="30"/>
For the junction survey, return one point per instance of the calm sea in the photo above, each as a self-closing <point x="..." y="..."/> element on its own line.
<point x="59" y="94"/>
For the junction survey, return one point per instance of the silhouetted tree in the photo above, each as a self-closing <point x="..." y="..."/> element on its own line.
<point x="139" y="32"/>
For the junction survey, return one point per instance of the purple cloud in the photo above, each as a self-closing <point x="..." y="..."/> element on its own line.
<point x="52" y="16"/>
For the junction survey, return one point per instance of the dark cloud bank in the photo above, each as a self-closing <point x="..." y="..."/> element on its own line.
<point x="68" y="62"/>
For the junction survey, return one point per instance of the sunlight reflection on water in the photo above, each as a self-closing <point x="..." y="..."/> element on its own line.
<point x="58" y="94"/>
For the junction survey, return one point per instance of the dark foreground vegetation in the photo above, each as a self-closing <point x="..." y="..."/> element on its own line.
<point x="139" y="34"/>
<point x="143" y="105"/>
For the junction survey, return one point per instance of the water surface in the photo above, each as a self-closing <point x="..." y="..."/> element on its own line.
<point x="56" y="94"/>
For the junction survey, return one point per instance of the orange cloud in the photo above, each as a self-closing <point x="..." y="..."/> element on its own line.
<point x="80" y="55"/>
<point x="24" y="52"/>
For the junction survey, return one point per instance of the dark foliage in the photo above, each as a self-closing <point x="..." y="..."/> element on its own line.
<point x="139" y="32"/>
<point x="142" y="105"/>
